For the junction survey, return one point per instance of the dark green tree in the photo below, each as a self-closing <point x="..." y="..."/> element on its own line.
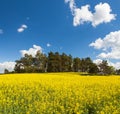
<point x="93" y="69"/>
<point x="76" y="64"/>
<point x="19" y="67"/>
<point x="105" y="69"/>
<point x="40" y="62"/>
<point x="30" y="64"/>
<point x="58" y="62"/>
<point x="64" y="66"/>
<point x="117" y="71"/>
<point x="24" y="64"/>
<point x="70" y="63"/>
<point x="54" y="62"/>
<point x="85" y="64"/>
<point x="66" y="63"/>
<point x="6" y="71"/>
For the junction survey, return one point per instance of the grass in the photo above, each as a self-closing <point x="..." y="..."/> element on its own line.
<point x="59" y="93"/>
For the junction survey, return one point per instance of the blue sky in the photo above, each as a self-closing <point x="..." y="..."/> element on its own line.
<point x="70" y="26"/>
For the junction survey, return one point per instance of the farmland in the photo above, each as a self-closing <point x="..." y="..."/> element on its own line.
<point x="59" y="93"/>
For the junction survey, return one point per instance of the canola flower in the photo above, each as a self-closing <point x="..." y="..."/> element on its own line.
<point x="59" y="93"/>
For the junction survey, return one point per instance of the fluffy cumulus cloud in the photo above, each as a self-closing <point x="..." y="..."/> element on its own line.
<point x="22" y="28"/>
<point x="116" y="65"/>
<point x="97" y="61"/>
<point x="110" y="46"/>
<point x="71" y="4"/>
<point x="102" y="13"/>
<point x="1" y="31"/>
<point x="32" y="51"/>
<point x="97" y="44"/>
<point x="48" y="44"/>
<point x="82" y="15"/>
<point x="7" y="65"/>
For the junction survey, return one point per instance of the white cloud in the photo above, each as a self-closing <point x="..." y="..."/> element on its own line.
<point x="7" y="65"/>
<point x="1" y="31"/>
<point x="82" y="15"/>
<point x="97" y="61"/>
<point x="72" y="5"/>
<point x="116" y="65"/>
<point x="109" y="45"/>
<point x="48" y="44"/>
<point x="98" y="44"/>
<point x="22" y="28"/>
<point x="31" y="51"/>
<point x="101" y="15"/>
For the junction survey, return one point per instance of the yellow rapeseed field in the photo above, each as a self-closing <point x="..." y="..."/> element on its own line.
<point x="59" y="93"/>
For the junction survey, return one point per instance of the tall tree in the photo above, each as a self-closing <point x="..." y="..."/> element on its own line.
<point x="19" y="67"/>
<point x="76" y="64"/>
<point x="25" y="64"/>
<point x="93" y="69"/>
<point x="85" y="64"/>
<point x="118" y="71"/>
<point x="6" y="71"/>
<point x="58" y="62"/>
<point x="66" y="63"/>
<point x="54" y="62"/>
<point x="70" y="63"/>
<point x="105" y="69"/>
<point x="40" y="62"/>
<point x="29" y="64"/>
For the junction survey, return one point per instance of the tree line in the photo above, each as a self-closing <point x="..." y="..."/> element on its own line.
<point x="56" y="62"/>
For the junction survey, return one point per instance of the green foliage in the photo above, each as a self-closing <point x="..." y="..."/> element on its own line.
<point x="76" y="64"/>
<point x="6" y="71"/>
<point x="31" y="64"/>
<point x="118" y="71"/>
<point x="93" y="69"/>
<point x="105" y="69"/>
<point x="56" y="62"/>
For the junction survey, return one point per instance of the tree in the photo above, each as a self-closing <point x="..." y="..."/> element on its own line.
<point x="19" y="67"/>
<point x="54" y="62"/>
<point x="6" y="71"/>
<point x="105" y="69"/>
<point x="30" y="64"/>
<point x="57" y="62"/>
<point x="66" y="63"/>
<point x="76" y="64"/>
<point x="118" y="71"/>
<point x="85" y="64"/>
<point x="40" y="62"/>
<point x="110" y="70"/>
<point x="70" y="63"/>
<point x="64" y="66"/>
<point x="93" y="69"/>
<point x="25" y="64"/>
<point x="50" y="62"/>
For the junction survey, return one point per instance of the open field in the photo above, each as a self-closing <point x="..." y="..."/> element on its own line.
<point x="59" y="93"/>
